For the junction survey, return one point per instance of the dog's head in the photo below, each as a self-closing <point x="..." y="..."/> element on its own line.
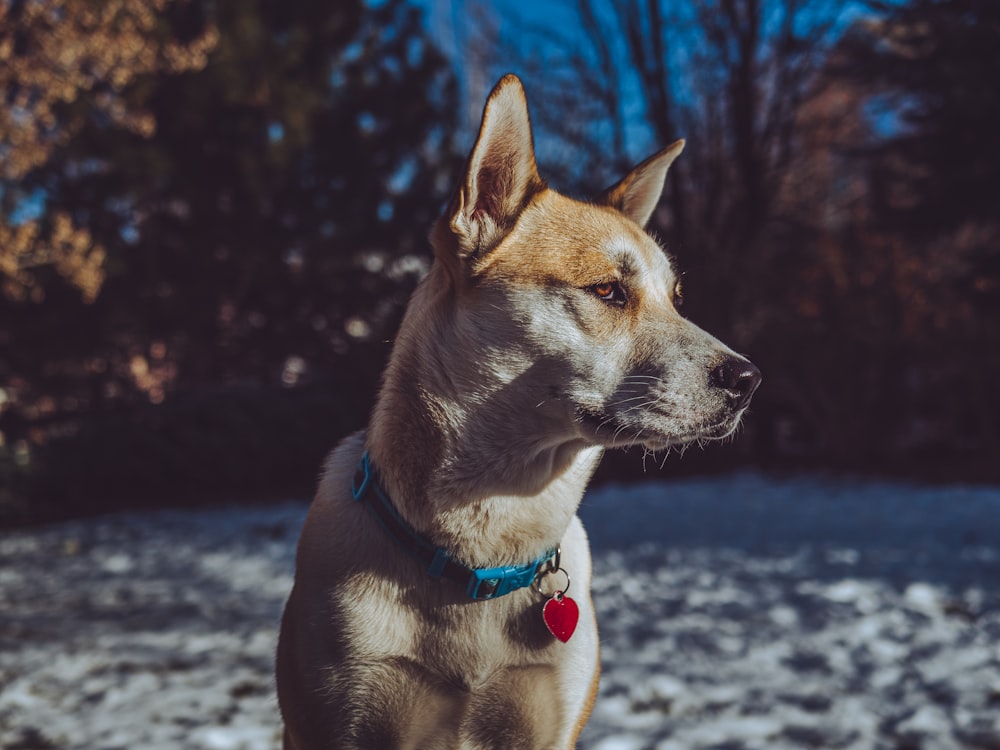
<point x="568" y="309"/>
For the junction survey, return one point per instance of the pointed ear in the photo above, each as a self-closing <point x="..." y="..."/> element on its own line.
<point x="639" y="191"/>
<point x="501" y="175"/>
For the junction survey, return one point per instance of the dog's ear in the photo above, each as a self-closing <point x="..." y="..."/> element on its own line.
<point x="501" y="175"/>
<point x="637" y="194"/>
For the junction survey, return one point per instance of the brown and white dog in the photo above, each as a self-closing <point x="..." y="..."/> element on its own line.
<point x="545" y="332"/>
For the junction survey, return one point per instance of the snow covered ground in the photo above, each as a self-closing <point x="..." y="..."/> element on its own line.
<point x="736" y="612"/>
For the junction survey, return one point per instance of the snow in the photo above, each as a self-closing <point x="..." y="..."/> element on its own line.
<point x="735" y="612"/>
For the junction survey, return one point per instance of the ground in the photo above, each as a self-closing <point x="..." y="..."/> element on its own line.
<point x="735" y="612"/>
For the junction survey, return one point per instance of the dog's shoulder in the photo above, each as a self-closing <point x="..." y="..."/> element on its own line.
<point x="333" y="516"/>
<point x="339" y="467"/>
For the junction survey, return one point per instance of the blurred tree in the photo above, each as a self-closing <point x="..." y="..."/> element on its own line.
<point x="929" y="68"/>
<point x="196" y="192"/>
<point x="64" y="65"/>
<point x="892" y="285"/>
<point x="932" y="67"/>
<point x="217" y="181"/>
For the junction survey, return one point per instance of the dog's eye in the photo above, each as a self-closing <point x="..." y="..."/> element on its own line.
<point x="609" y="291"/>
<point x="678" y="296"/>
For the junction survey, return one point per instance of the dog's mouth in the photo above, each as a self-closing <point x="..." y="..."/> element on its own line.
<point x="656" y="432"/>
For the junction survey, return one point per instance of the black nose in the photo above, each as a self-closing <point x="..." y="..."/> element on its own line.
<point x="738" y="377"/>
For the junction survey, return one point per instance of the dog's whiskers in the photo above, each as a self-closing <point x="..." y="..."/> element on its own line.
<point x="629" y="378"/>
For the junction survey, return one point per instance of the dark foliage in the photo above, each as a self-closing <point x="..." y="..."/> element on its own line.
<point x="932" y="66"/>
<point x="234" y="443"/>
<point x="267" y="228"/>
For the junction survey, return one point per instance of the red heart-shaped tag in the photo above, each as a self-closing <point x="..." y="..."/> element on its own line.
<point x="561" y="614"/>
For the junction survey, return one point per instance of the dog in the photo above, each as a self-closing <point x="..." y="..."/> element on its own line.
<point x="441" y="595"/>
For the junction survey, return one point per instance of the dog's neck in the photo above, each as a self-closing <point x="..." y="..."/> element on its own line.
<point x="470" y="464"/>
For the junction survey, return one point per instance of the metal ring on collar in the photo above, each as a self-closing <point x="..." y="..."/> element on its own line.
<point x="537" y="584"/>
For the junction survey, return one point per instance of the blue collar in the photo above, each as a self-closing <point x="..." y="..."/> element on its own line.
<point x="479" y="583"/>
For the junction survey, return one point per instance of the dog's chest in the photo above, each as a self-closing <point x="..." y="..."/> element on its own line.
<point x="473" y="643"/>
<point x="465" y="644"/>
